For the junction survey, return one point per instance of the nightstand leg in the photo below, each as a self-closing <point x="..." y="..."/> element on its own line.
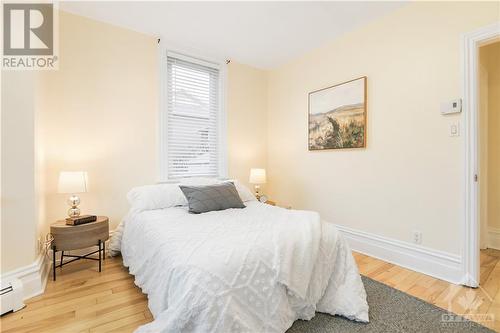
<point x="99" y="255"/>
<point x="62" y="256"/>
<point x="104" y="250"/>
<point x="53" y="263"/>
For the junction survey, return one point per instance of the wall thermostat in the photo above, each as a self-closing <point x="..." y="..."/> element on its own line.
<point x="454" y="106"/>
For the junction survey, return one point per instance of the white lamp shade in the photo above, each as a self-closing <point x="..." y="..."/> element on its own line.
<point x="257" y="176"/>
<point x="72" y="182"/>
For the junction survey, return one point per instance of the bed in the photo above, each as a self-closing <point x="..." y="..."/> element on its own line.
<point x="256" y="269"/>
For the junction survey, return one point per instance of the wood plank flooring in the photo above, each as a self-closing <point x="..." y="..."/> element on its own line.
<point x="84" y="300"/>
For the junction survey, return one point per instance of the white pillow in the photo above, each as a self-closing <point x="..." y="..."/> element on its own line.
<point x="244" y="192"/>
<point x="161" y="196"/>
<point x="156" y="197"/>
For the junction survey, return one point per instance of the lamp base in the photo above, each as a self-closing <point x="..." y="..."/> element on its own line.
<point x="74" y="211"/>
<point x="257" y="191"/>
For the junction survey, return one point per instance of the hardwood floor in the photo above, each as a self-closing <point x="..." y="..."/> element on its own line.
<point x="84" y="300"/>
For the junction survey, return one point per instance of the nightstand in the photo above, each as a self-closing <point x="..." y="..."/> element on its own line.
<point x="272" y="203"/>
<point x="75" y="237"/>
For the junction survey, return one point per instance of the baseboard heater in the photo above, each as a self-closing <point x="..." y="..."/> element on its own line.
<point x="11" y="296"/>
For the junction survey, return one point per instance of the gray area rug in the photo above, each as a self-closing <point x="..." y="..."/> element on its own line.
<point x="390" y="311"/>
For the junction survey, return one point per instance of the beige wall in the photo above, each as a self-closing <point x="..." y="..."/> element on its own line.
<point x="99" y="114"/>
<point x="18" y="196"/>
<point x="490" y="62"/>
<point x="410" y="176"/>
<point x="246" y="119"/>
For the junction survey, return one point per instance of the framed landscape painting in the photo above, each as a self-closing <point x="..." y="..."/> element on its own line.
<point x="337" y="116"/>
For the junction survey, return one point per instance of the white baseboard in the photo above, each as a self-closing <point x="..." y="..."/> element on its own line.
<point x="442" y="265"/>
<point x="33" y="277"/>
<point x="494" y="238"/>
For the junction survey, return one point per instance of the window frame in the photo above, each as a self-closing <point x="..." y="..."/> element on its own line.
<point x="163" y="111"/>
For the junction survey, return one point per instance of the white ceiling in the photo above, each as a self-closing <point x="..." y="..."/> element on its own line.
<point x="261" y="34"/>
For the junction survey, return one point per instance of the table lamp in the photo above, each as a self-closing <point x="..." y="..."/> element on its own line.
<point x="257" y="177"/>
<point x="73" y="182"/>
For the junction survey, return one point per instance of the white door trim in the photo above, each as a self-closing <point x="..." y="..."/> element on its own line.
<point x="470" y="229"/>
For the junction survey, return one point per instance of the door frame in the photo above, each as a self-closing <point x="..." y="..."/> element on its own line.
<point x="470" y="73"/>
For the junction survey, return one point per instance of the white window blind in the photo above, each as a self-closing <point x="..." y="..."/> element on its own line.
<point x="193" y="111"/>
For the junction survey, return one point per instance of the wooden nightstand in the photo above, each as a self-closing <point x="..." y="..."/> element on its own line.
<point x="272" y="203"/>
<point x="69" y="237"/>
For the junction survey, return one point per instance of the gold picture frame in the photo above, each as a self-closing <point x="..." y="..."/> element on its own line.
<point x="337" y="116"/>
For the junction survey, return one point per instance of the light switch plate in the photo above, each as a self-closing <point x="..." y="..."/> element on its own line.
<point x="455" y="129"/>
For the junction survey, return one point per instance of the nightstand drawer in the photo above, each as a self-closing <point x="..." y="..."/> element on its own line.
<point x="68" y="237"/>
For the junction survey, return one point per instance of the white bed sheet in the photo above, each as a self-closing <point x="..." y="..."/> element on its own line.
<point x="256" y="269"/>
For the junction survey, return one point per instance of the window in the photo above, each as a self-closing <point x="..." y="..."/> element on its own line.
<point x="194" y="119"/>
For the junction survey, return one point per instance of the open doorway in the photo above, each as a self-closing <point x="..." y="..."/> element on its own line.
<point x="489" y="158"/>
<point x="471" y="230"/>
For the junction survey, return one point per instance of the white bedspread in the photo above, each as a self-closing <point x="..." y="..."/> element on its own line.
<point x="256" y="269"/>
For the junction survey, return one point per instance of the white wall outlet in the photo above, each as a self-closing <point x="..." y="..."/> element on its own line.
<point x="417" y="237"/>
<point x="455" y="129"/>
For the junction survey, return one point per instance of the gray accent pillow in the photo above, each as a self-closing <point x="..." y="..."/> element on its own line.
<point x="203" y="199"/>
